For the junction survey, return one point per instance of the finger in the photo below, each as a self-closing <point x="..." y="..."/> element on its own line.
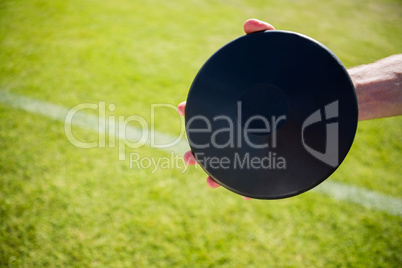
<point x="246" y="198"/>
<point x="181" y="107"/>
<point x="189" y="158"/>
<point x="254" y="25"/>
<point x="211" y="183"/>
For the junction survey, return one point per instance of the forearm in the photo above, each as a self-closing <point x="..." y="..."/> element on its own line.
<point x="379" y="87"/>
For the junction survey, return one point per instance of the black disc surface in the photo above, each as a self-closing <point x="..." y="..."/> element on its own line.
<point x="271" y="114"/>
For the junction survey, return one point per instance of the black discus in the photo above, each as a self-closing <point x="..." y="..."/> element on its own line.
<point x="271" y="114"/>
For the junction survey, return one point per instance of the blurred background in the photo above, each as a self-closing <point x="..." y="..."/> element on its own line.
<point x="63" y="206"/>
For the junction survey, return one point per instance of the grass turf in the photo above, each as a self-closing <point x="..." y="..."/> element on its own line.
<point x="65" y="206"/>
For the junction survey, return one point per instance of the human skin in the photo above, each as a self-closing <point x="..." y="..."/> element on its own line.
<point x="378" y="88"/>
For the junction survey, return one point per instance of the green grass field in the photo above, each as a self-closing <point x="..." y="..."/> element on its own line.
<point x="63" y="206"/>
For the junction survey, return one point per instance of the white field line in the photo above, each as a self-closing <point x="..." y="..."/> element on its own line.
<point x="340" y="191"/>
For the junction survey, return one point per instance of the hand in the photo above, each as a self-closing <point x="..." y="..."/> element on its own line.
<point x="250" y="26"/>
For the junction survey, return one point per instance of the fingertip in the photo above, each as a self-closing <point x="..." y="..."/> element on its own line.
<point x="211" y="183"/>
<point x="246" y="198"/>
<point x="189" y="158"/>
<point x="181" y="108"/>
<point x="254" y="25"/>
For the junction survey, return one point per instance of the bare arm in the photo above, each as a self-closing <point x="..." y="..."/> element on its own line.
<point x="379" y="87"/>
